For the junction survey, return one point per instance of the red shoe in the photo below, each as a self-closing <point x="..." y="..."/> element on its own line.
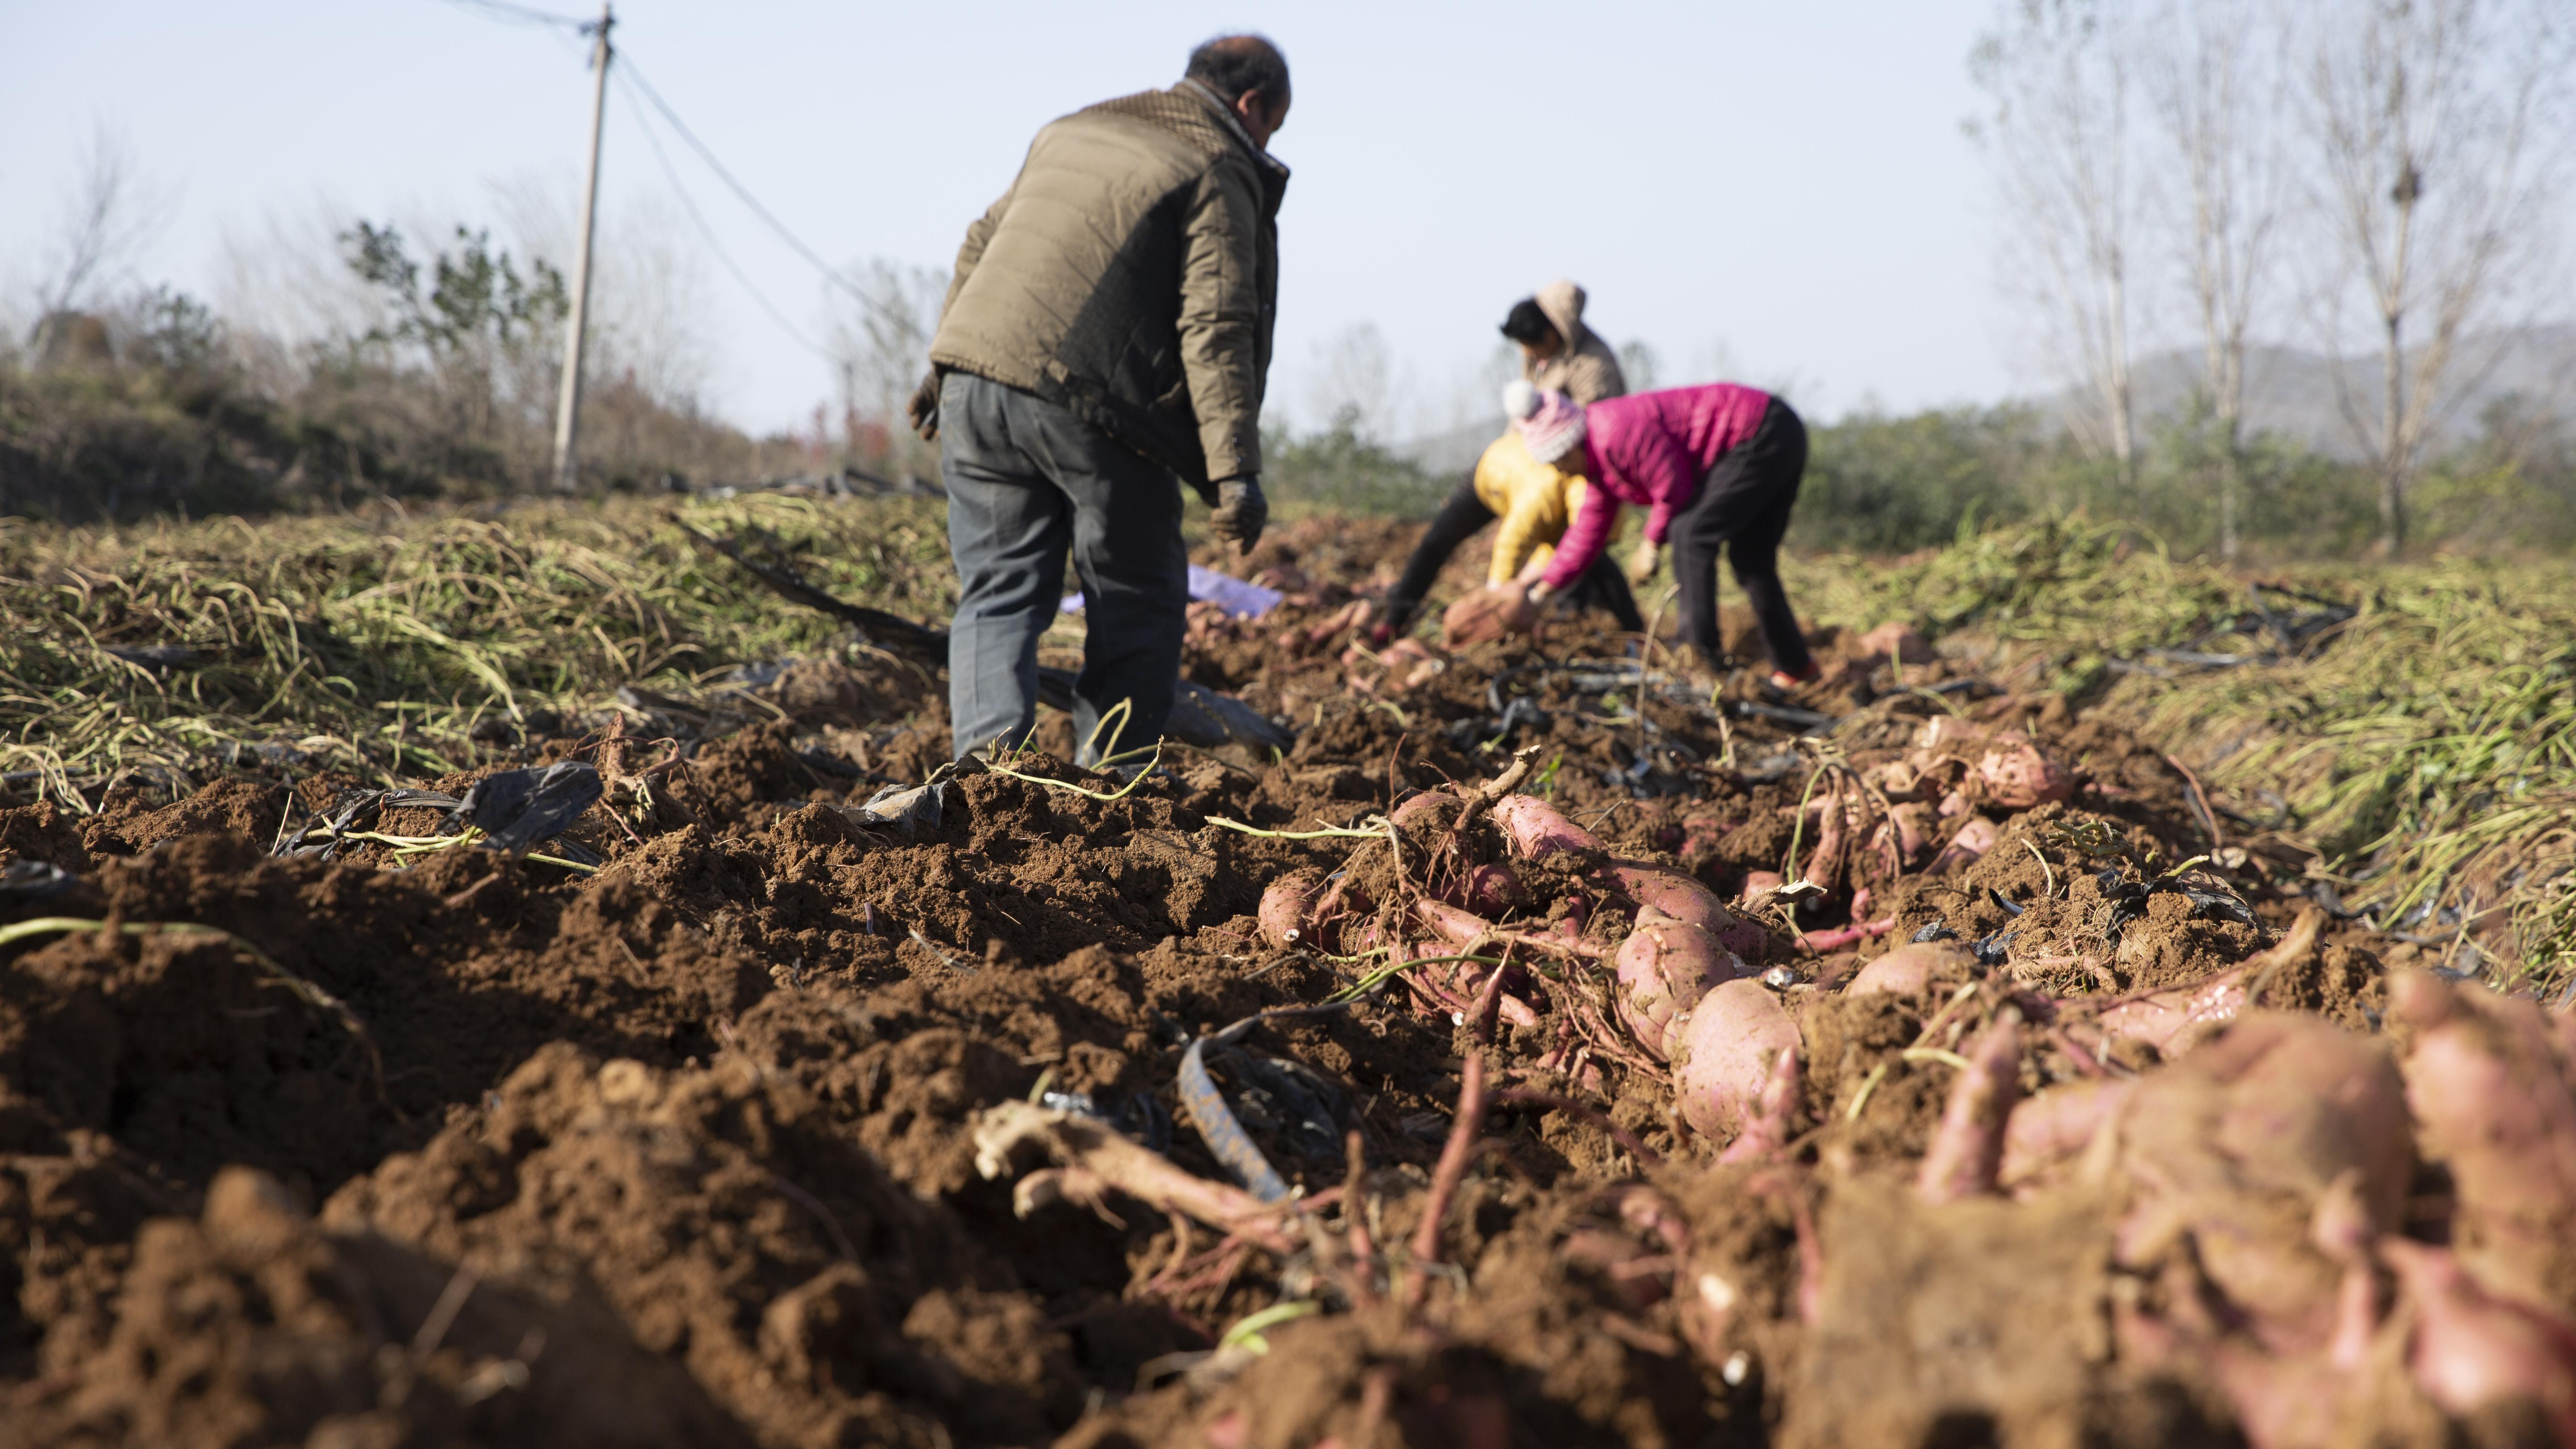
<point x="1784" y="681"/>
<point x="1381" y="634"/>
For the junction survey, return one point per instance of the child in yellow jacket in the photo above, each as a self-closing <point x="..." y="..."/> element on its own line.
<point x="1535" y="501"/>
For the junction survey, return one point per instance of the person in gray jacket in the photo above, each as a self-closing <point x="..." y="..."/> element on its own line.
<point x="1106" y="339"/>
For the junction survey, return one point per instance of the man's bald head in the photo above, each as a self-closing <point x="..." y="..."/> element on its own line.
<point x="1236" y="66"/>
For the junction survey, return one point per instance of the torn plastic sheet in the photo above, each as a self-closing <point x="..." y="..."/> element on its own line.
<point x="34" y="880"/>
<point x="517" y="809"/>
<point x="911" y="811"/>
<point x="1216" y="1122"/>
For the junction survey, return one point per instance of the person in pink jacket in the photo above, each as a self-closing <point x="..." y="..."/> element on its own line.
<point x="1715" y="466"/>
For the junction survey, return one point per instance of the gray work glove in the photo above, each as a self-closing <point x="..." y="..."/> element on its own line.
<point x="923" y="410"/>
<point x="1240" y="513"/>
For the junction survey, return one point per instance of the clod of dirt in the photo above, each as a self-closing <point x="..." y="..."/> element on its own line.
<point x="247" y="1324"/>
<point x="727" y="1224"/>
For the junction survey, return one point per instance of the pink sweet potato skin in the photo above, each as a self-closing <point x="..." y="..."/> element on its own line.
<point x="1421" y="807"/>
<point x="2472" y="1349"/>
<point x="1682" y="897"/>
<point x="2178" y="1018"/>
<point x="1537" y="829"/>
<point x="1453" y="925"/>
<point x="1665" y="967"/>
<point x="1285" y="907"/>
<point x="2017" y="775"/>
<point x="1909" y="969"/>
<point x="1726" y="1054"/>
<point x="2050" y="1127"/>
<point x="1975" y="837"/>
<point x="2492" y="1103"/>
<point x="1773" y="1121"/>
<point x="1968" y="1147"/>
<point x="2232" y="1147"/>
<point x="1488" y="890"/>
<point x="1748" y="941"/>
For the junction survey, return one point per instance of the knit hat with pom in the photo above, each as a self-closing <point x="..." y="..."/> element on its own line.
<point x="1551" y="423"/>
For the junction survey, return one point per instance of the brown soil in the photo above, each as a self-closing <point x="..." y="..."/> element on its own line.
<point x="682" y="1152"/>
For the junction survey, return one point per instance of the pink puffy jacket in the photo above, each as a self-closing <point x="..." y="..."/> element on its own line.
<point x="1651" y="449"/>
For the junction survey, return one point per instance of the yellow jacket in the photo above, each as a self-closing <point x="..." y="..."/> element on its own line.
<point x="1535" y="501"/>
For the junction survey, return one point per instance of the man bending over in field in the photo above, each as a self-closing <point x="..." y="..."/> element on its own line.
<point x="1106" y="338"/>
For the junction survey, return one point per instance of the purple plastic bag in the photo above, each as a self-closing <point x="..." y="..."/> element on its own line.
<point x="1242" y="600"/>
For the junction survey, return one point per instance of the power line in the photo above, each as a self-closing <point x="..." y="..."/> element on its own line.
<point x="830" y="273"/>
<point x="627" y="75"/>
<point x="525" y="15"/>
<point x="644" y="124"/>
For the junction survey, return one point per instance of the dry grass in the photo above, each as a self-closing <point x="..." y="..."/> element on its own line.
<point x="379" y="647"/>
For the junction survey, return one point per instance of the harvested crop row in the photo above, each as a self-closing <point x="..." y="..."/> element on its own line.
<point x="1534" y="1043"/>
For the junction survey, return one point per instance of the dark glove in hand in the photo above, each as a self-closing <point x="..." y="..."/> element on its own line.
<point x="1240" y="513"/>
<point x="923" y="410"/>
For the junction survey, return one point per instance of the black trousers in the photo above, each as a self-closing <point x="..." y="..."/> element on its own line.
<point x="1743" y="507"/>
<point x="1459" y="519"/>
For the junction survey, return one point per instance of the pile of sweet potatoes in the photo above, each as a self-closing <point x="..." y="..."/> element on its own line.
<point x="2330" y="1234"/>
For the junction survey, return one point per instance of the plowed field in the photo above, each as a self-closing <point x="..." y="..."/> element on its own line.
<point x="1541" y="1050"/>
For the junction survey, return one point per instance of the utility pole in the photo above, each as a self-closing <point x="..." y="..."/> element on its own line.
<point x="568" y="410"/>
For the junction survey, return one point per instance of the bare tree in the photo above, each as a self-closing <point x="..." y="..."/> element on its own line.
<point x="1640" y="365"/>
<point x="2213" y="71"/>
<point x="2057" y="75"/>
<point x="109" y="215"/>
<point x="649" y="303"/>
<point x="880" y="345"/>
<point x="1354" y="383"/>
<point x="2439" y="127"/>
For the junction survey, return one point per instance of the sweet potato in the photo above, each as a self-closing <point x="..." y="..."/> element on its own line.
<point x="1774" y="1118"/>
<point x="1298" y="910"/>
<point x="2018" y="776"/>
<point x="1968" y="1147"/>
<point x="2472" y="1349"/>
<point x="2052" y="1126"/>
<point x="1537" y="829"/>
<point x="1457" y="927"/>
<point x="2232" y="1149"/>
<point x="1908" y="829"/>
<point x="1726" y="1054"/>
<point x="1285" y="907"/>
<point x="2177" y="1018"/>
<point x="1829" y="848"/>
<point x="1414" y="809"/>
<point x="2291" y="1101"/>
<point x="1665" y="967"/>
<point x="1481" y="616"/>
<point x="1910" y="968"/>
<point x="1976" y="836"/>
<point x="2492" y="1104"/>
<point x="1898" y="780"/>
<point x="1660" y="888"/>
<point x="1487" y="890"/>
<point x="1896" y="641"/>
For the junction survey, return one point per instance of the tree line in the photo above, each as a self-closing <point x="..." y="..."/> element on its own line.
<point x="2383" y="179"/>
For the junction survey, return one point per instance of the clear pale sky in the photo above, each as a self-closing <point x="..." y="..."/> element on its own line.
<point x="1786" y="182"/>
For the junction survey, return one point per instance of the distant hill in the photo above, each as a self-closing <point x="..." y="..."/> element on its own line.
<point x="2291" y="392"/>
